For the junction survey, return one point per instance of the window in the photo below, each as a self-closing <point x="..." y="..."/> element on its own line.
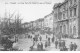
<point x="74" y="11"/>
<point x="67" y="6"/>
<point x="64" y="30"/>
<point x="60" y="29"/>
<point x="60" y="15"/>
<point x="70" y="30"/>
<point x="64" y="16"/>
<point x="70" y="13"/>
<point x="67" y="13"/>
<point x="64" y="7"/>
<point x="74" y="30"/>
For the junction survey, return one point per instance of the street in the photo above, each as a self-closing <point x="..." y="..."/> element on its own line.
<point x="25" y="44"/>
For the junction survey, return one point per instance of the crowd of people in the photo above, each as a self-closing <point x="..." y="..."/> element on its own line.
<point x="61" y="44"/>
<point x="38" y="39"/>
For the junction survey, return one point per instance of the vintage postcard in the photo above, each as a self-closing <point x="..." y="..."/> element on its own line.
<point x="39" y="25"/>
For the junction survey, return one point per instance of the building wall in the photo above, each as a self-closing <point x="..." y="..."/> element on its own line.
<point x="67" y="17"/>
<point x="48" y="21"/>
<point x="79" y="18"/>
<point x="74" y="18"/>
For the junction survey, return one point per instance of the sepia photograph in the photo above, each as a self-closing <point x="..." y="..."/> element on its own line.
<point x="39" y="25"/>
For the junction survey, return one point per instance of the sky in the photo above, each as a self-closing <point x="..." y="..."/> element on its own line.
<point x="27" y="9"/>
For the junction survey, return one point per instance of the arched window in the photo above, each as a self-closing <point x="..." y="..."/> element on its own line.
<point x="64" y="30"/>
<point x="60" y="29"/>
<point x="74" y="30"/>
<point x="70" y="30"/>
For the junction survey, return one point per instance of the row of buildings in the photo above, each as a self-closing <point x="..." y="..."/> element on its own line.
<point x="43" y="24"/>
<point x="64" y="19"/>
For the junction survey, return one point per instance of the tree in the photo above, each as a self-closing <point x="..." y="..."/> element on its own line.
<point x="8" y="27"/>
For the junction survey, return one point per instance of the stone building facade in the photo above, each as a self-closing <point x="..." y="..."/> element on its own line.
<point x="67" y="15"/>
<point x="48" y="21"/>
